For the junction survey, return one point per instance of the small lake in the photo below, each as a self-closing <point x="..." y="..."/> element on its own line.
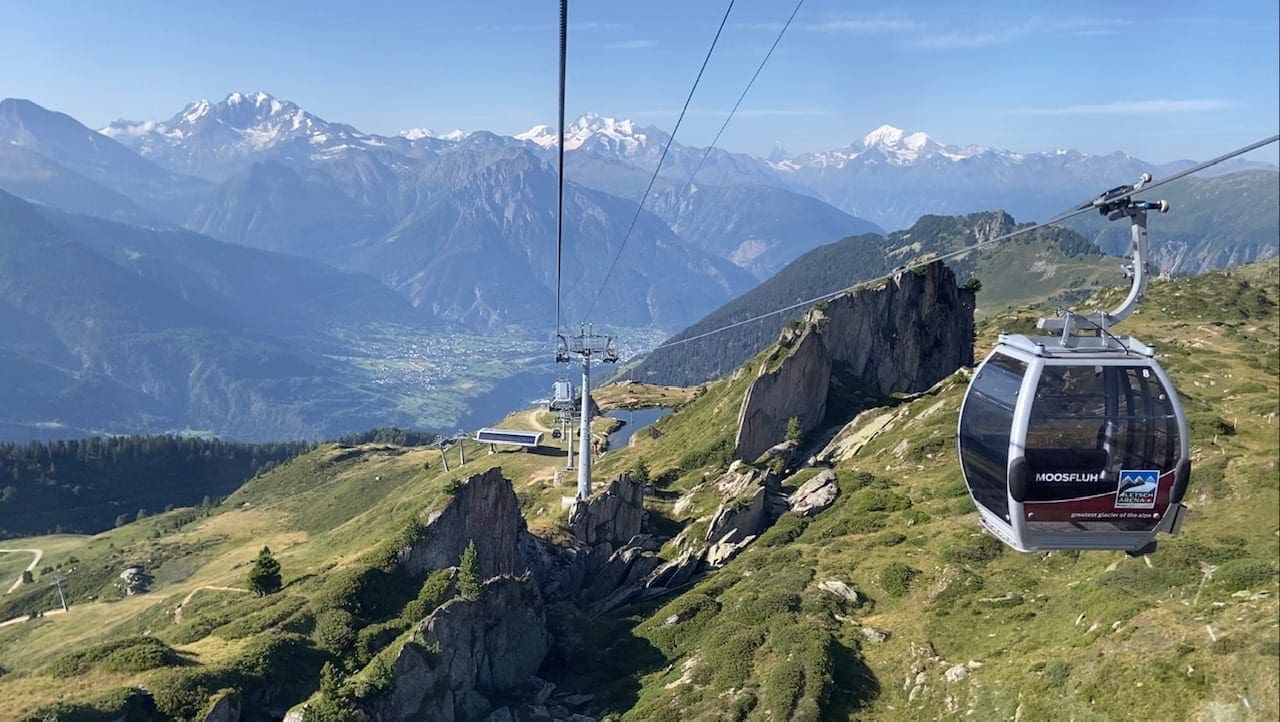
<point x="635" y="420"/>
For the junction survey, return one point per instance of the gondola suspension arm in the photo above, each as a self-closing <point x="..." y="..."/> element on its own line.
<point x="1115" y="204"/>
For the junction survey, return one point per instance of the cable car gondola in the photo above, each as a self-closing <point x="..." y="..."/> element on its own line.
<point x="1078" y="440"/>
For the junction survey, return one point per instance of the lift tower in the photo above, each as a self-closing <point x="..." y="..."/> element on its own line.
<point x="586" y="344"/>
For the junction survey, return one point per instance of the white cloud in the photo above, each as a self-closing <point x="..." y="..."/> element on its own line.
<point x="877" y="24"/>
<point x="949" y="41"/>
<point x="632" y="45"/>
<point x="1133" y="107"/>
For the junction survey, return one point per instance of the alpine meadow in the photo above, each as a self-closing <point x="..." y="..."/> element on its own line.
<point x="559" y="362"/>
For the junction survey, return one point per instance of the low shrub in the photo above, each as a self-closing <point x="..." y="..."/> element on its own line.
<point x="1056" y="672"/>
<point x="376" y="637"/>
<point x="787" y="529"/>
<point x="895" y="578"/>
<point x="184" y="693"/>
<point x="1245" y="573"/>
<point x="977" y="549"/>
<point x="879" y="500"/>
<point x="335" y="631"/>
<point x="125" y="703"/>
<point x="123" y="656"/>
<point x="436" y="589"/>
<point x="258" y="622"/>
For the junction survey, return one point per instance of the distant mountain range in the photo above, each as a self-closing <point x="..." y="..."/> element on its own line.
<point x="432" y="214"/>
<point x="106" y="328"/>
<point x="198" y="251"/>
<point x="1049" y="264"/>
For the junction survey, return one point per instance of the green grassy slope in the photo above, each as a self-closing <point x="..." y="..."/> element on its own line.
<point x="1186" y="633"/>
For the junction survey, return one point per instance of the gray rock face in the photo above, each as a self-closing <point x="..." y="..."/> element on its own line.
<point x="612" y="517"/>
<point x="736" y="520"/>
<point x="471" y="652"/>
<point x="794" y="386"/>
<point x="483" y="509"/>
<point x="815" y="494"/>
<point x="225" y="709"/>
<point x="903" y="337"/>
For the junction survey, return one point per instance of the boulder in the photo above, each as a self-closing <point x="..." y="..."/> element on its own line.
<point x="815" y="494"/>
<point x="723" y="551"/>
<point x="842" y="590"/>
<point x="502" y="714"/>
<point x="739" y="518"/>
<point x="626" y="567"/>
<point x="677" y="572"/>
<point x="871" y="634"/>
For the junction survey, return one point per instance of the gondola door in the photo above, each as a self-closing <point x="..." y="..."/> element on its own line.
<point x="1101" y="455"/>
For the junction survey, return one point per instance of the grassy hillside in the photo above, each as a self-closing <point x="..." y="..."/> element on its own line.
<point x="966" y="626"/>
<point x="974" y="629"/>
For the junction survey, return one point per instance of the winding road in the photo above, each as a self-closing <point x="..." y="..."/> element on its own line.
<point x="30" y="567"/>
<point x="177" y="612"/>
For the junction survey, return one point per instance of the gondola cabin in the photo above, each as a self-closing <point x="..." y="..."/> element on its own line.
<point x="1074" y="446"/>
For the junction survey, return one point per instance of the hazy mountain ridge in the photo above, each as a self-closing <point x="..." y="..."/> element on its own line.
<point x="1045" y="263"/>
<point x="120" y="328"/>
<point x="432" y="218"/>
<point x="1228" y="220"/>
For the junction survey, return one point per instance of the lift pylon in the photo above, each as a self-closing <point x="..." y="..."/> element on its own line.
<point x="586" y="344"/>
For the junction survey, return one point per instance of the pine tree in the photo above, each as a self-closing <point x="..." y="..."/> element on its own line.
<point x="264" y="577"/>
<point x="469" y="573"/>
<point x="793" y="429"/>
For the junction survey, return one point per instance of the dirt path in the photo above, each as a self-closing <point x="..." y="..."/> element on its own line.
<point x="30" y="567"/>
<point x="532" y="418"/>
<point x="23" y="618"/>
<point x="177" y="612"/>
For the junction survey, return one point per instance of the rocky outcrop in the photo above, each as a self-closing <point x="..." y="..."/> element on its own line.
<point x="225" y="708"/>
<point x="483" y="509"/>
<point x="469" y="652"/>
<point x="613" y="516"/>
<point x="792" y="383"/>
<point x="815" y="494"/>
<point x="902" y="337"/>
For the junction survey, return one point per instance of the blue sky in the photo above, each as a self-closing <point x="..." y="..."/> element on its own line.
<point x="1160" y="81"/>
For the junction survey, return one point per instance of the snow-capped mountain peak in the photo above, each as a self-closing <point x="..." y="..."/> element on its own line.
<point x="884" y="135"/>
<point x="592" y="129"/>
<point x="900" y="146"/>
<point x="420" y="133"/>
<point x="886" y="144"/>
<point x="542" y="135"/>
<point x="213" y="139"/>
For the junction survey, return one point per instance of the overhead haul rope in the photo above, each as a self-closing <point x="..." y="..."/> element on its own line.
<point x="671" y="138"/>
<point x="564" y="33"/>
<point x="1083" y="208"/>
<point x="741" y="97"/>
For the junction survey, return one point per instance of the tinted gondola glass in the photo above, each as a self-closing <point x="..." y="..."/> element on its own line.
<point x="985" y="425"/>
<point x="1089" y="425"/>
